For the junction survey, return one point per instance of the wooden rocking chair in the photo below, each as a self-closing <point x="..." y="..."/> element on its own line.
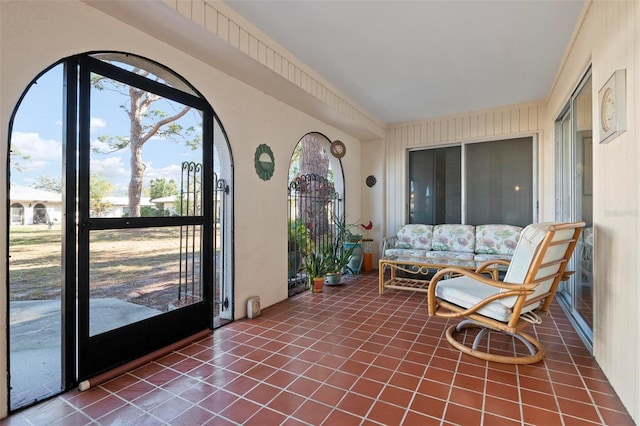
<point x="508" y="306"/>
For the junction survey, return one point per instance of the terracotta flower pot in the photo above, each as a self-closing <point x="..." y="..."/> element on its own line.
<point x="317" y="284"/>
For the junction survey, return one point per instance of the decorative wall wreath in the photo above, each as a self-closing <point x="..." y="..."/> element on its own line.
<point x="338" y="149"/>
<point x="264" y="161"/>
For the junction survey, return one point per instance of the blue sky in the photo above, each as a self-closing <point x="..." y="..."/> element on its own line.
<point x="37" y="133"/>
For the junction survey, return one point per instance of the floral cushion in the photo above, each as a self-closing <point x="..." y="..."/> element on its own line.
<point x="449" y="237"/>
<point x="497" y="239"/>
<point x="415" y="236"/>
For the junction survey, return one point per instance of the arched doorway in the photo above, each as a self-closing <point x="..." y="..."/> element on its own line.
<point x="315" y="198"/>
<point x="144" y="168"/>
<point x="40" y="214"/>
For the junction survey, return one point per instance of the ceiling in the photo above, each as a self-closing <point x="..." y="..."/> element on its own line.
<point x="410" y="60"/>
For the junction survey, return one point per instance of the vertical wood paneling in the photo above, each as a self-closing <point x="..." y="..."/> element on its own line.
<point x="291" y="75"/>
<point x="482" y="126"/>
<point x="234" y="35"/>
<point x="514" y="125"/>
<point x="457" y="132"/>
<point x="489" y="129"/>
<point x="262" y="53"/>
<point x="270" y="60"/>
<point x="474" y="126"/>
<point x="523" y="120"/>
<point x="243" y="42"/>
<point x="211" y="19"/>
<point x="277" y="63"/>
<point x="253" y="47"/>
<point x="533" y="118"/>
<point x="466" y="127"/>
<point x="209" y="16"/>
<point x="616" y="28"/>
<point x="497" y="123"/>
<point x="198" y="12"/>
<point x="504" y="123"/>
<point x="184" y="7"/>
<point x="223" y="27"/>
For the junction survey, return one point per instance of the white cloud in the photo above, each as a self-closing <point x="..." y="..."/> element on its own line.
<point x="109" y="167"/>
<point x="32" y="145"/>
<point x="172" y="171"/>
<point x="100" y="146"/>
<point x="96" y="123"/>
<point x="32" y="166"/>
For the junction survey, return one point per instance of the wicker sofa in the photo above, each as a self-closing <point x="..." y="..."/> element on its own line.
<point x="453" y="241"/>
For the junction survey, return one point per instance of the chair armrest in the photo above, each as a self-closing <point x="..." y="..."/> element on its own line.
<point x="388" y="242"/>
<point x="566" y="275"/>
<point x="508" y="290"/>
<point x="491" y="264"/>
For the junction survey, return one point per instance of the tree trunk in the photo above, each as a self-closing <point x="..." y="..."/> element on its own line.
<point x="135" y="183"/>
<point x="138" y="107"/>
<point x="314" y="161"/>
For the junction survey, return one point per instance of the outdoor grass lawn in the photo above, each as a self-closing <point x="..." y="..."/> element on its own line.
<point x="138" y="265"/>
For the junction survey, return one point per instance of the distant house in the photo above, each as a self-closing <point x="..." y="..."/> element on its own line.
<point x="120" y="206"/>
<point x="34" y="206"/>
<point x="167" y="204"/>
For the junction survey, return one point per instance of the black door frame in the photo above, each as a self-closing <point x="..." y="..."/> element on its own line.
<point x="104" y="351"/>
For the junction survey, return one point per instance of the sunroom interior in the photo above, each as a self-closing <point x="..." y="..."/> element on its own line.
<point x="551" y="154"/>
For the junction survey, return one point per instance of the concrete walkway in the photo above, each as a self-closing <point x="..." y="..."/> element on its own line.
<point x="35" y="341"/>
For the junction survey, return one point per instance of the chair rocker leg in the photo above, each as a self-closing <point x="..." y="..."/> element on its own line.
<point x="533" y="346"/>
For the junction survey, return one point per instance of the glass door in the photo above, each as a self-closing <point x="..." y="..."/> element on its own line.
<point x="574" y="202"/>
<point x="145" y="267"/>
<point x="121" y="220"/>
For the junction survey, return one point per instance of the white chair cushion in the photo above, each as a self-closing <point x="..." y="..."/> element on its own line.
<point x="466" y="292"/>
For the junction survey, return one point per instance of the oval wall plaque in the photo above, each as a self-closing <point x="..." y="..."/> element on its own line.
<point x="264" y="161"/>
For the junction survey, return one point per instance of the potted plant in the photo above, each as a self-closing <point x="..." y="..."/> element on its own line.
<point x="316" y="266"/>
<point x="340" y="254"/>
<point x="300" y="244"/>
<point x="337" y="256"/>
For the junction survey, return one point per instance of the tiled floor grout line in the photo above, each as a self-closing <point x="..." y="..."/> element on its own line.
<point x="427" y="365"/>
<point x="303" y="373"/>
<point x="579" y="373"/>
<point x="406" y="409"/>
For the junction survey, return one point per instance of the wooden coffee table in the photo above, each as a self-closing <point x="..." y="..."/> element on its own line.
<point x="420" y="267"/>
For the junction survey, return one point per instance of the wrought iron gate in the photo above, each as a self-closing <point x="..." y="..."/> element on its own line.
<point x="313" y="205"/>
<point x="190" y="204"/>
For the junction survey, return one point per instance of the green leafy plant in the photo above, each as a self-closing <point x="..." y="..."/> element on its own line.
<point x="315" y="265"/>
<point x="337" y="256"/>
<point x="300" y="237"/>
<point x="338" y="253"/>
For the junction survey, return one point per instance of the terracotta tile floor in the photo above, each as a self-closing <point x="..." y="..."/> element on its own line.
<point x="346" y="357"/>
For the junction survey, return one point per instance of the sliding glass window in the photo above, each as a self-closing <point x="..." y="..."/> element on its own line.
<point x="497" y="185"/>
